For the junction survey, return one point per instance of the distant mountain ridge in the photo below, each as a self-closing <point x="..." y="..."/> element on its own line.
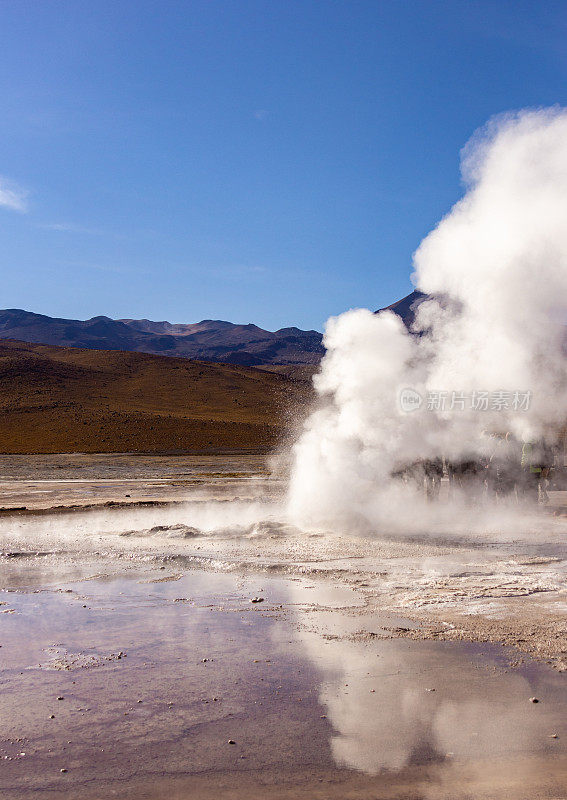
<point x="209" y="340"/>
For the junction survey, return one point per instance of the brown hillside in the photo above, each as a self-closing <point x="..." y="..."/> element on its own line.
<point x="58" y="400"/>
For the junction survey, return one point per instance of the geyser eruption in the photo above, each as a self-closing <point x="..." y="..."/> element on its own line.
<point x="486" y="354"/>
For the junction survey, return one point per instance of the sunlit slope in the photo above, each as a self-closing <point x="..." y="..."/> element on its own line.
<point x="57" y="399"/>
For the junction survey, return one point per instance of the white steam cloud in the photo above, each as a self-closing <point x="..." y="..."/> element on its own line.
<point x="496" y="267"/>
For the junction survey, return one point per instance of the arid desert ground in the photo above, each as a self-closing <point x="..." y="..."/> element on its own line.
<point x="165" y="631"/>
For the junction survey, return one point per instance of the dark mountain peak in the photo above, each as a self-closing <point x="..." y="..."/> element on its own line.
<point x="21" y="315"/>
<point x="209" y="340"/>
<point x="291" y="332"/>
<point x="407" y="306"/>
<point x="407" y="302"/>
<point x="101" y="321"/>
<point x="215" y="323"/>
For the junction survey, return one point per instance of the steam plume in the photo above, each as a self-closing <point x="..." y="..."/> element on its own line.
<point x="496" y="268"/>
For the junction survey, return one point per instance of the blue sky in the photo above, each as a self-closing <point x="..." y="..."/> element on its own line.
<point x="272" y="162"/>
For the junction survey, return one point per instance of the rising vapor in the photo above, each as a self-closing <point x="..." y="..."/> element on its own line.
<point x="496" y="268"/>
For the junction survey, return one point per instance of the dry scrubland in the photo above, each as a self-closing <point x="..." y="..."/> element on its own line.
<point x="58" y="400"/>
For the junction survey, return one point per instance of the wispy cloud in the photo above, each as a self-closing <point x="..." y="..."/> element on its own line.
<point x="67" y="227"/>
<point x="13" y="196"/>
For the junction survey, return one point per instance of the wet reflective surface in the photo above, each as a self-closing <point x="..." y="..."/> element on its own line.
<point x="177" y="685"/>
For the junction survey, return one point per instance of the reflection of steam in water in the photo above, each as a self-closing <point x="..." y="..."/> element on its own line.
<point x="477" y="714"/>
<point x="396" y="703"/>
